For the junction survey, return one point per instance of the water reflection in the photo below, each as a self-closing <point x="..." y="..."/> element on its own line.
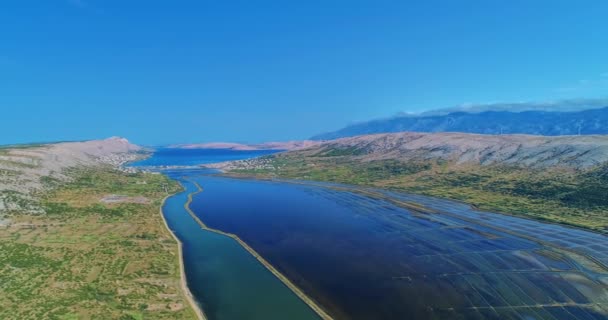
<point x="366" y="257"/>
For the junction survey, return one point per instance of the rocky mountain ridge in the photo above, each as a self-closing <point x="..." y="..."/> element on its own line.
<point x="534" y="122"/>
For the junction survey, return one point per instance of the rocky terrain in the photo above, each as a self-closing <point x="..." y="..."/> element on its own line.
<point x="576" y="152"/>
<point x="499" y="121"/>
<point x="25" y="170"/>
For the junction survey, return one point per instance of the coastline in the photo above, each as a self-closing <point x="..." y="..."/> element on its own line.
<point x="200" y="314"/>
<point x="297" y="291"/>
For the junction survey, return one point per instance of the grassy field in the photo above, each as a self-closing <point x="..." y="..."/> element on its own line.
<point x="86" y="259"/>
<point x="578" y="198"/>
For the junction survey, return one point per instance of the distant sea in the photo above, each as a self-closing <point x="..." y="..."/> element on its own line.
<point x="192" y="157"/>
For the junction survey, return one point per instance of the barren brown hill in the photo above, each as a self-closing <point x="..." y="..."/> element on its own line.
<point x="24" y="170"/>
<point x="461" y="148"/>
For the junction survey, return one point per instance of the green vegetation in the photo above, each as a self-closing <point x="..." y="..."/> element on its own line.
<point x="86" y="259"/>
<point x="578" y="198"/>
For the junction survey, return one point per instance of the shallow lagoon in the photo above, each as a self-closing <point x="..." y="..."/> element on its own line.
<point x="367" y="257"/>
<point x="224" y="278"/>
<point x="363" y="257"/>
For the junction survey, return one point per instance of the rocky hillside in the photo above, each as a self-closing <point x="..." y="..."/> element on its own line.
<point x="577" y="152"/>
<point x="24" y="170"/>
<point x="547" y="123"/>
<point x="521" y="150"/>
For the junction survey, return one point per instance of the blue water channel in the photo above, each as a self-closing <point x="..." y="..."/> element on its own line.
<point x="362" y="254"/>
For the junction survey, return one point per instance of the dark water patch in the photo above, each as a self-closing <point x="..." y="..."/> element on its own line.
<point x="367" y="258"/>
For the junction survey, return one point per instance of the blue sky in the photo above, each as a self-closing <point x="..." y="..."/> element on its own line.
<point x="161" y="72"/>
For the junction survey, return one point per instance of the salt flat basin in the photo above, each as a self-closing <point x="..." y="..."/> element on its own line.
<point x="367" y="257"/>
<point x="225" y="279"/>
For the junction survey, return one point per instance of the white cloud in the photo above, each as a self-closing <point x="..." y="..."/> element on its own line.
<point x="555" y="105"/>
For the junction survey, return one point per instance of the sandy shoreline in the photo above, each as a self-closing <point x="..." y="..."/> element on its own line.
<point x="195" y="306"/>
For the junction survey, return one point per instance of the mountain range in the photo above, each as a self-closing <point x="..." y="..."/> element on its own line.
<point x="534" y="122"/>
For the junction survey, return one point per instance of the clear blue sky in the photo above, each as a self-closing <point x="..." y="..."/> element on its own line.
<point x="161" y="72"/>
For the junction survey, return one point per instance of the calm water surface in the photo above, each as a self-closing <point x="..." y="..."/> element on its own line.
<point x="223" y="277"/>
<point x="368" y="257"/>
<point x="227" y="281"/>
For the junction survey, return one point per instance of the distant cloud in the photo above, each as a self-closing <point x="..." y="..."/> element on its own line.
<point x="556" y="105"/>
